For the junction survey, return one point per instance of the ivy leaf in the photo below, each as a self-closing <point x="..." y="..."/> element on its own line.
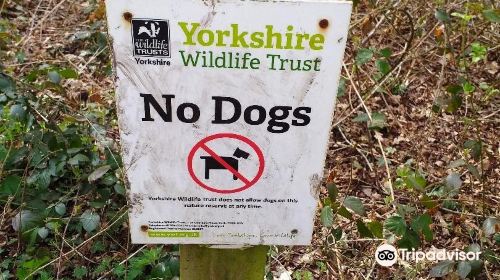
<point x="376" y="228"/>
<point x="395" y="224"/>
<point x="422" y="223"/>
<point x="442" y="16"/>
<point x="454" y="181"/>
<point x="333" y="192"/>
<point x="363" y="230"/>
<point x="463" y="269"/>
<point x="492" y="15"/>
<point x="80" y="272"/>
<point x="386" y="52"/>
<point x="90" y="221"/>
<point x="378" y="121"/>
<point x="43" y="232"/>
<point x="18" y="112"/>
<point x="77" y="159"/>
<point x="98" y="173"/>
<point x="341" y="88"/>
<point x="7" y="85"/>
<point x="475" y="147"/>
<point x="24" y="220"/>
<point x="327" y="216"/>
<point x="68" y="73"/>
<point x="363" y="56"/>
<point x="344" y="213"/>
<point x="410" y="240"/>
<point x="60" y="209"/>
<point x="489" y="226"/>
<point x="416" y="181"/>
<point x="473" y="170"/>
<point x="354" y="204"/>
<point x="361" y="117"/>
<point x="10" y="185"/>
<point x="457" y="163"/>
<point x="442" y="269"/>
<point x="383" y="66"/>
<point x="54" y="77"/>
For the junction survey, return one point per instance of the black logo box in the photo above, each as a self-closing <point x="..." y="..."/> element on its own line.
<point x="150" y="43"/>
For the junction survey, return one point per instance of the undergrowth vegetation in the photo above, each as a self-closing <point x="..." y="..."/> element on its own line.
<point x="414" y="158"/>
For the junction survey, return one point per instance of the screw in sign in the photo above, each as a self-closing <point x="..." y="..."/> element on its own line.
<point x="226" y="163"/>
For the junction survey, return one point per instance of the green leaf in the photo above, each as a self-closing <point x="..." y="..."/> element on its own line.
<point x="386" y="52"/>
<point x="442" y="16"/>
<point x="454" y="181"/>
<point x="395" y="224"/>
<point x="119" y="189"/>
<point x="410" y="240"/>
<point x="383" y="66"/>
<point x="473" y="170"/>
<point x="476" y="148"/>
<point x="90" y="221"/>
<point x="455" y="89"/>
<point x="344" y="213"/>
<point x="378" y="121"/>
<point x="341" y="87"/>
<point x="442" y="269"/>
<point x="333" y="192"/>
<point x="60" y="209"/>
<point x="492" y="15"/>
<point x="7" y="84"/>
<point x="416" y="180"/>
<point x="363" y="230"/>
<point x="10" y="185"/>
<point x="27" y="267"/>
<point x="18" y="112"/>
<point x="25" y="220"/>
<point x="422" y="224"/>
<point x="428" y="202"/>
<point x="476" y="265"/>
<point x="68" y="73"/>
<point x="463" y="269"/>
<point x="98" y="173"/>
<point x="363" y="56"/>
<point x="43" y="232"/>
<point x="457" y="163"/>
<point x="80" y="272"/>
<point x="468" y="87"/>
<point x="361" y="117"/>
<point x="54" y="77"/>
<point x="40" y="179"/>
<point x="77" y="159"/>
<point x="327" y="216"/>
<point x="489" y="226"/>
<point x="376" y="228"/>
<point x="354" y="204"/>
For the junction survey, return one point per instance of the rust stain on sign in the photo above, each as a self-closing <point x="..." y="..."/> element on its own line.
<point x="324" y="23"/>
<point x="127" y="16"/>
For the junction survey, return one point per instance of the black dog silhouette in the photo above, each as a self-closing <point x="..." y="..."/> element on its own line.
<point x="212" y="163"/>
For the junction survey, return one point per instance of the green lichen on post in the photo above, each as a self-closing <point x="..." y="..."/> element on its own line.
<point x="198" y="262"/>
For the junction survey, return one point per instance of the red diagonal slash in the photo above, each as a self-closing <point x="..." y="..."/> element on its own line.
<point x="225" y="164"/>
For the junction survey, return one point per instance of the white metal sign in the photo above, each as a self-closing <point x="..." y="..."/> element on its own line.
<point x="225" y="110"/>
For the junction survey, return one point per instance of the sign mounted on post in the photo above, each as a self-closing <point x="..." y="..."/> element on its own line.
<point x="225" y="110"/>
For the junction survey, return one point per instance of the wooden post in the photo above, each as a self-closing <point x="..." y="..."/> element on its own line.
<point x="200" y="262"/>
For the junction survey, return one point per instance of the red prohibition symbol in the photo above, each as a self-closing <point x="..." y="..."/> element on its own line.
<point x="247" y="182"/>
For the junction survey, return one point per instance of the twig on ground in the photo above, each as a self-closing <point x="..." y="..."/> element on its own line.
<point x="378" y="136"/>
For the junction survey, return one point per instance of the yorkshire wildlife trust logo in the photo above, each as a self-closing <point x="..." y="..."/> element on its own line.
<point x="151" y="37"/>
